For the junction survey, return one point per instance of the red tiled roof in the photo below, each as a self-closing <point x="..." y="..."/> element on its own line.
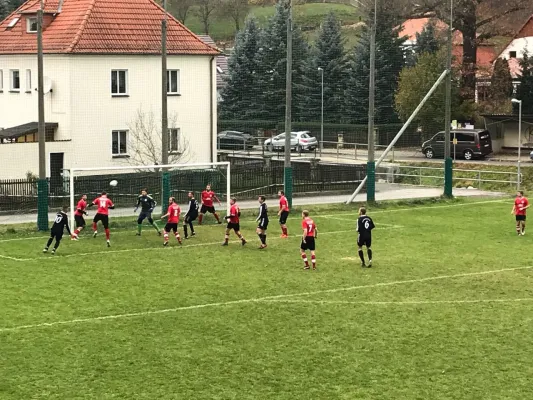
<point x="525" y="31"/>
<point x="416" y="25"/>
<point x="100" y="27"/>
<point x="486" y="54"/>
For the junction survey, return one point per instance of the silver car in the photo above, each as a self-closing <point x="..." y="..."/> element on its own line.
<point x="300" y="141"/>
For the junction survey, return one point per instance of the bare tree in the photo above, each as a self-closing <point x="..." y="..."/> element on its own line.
<point x="205" y="12"/>
<point x="145" y="140"/>
<point x="236" y="10"/>
<point x="180" y="9"/>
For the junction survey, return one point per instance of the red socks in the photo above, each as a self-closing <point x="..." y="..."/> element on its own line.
<point x="313" y="260"/>
<point x="200" y="219"/>
<point x="95" y="227"/>
<point x="107" y="234"/>
<point x="304" y="257"/>
<point x="284" y="231"/>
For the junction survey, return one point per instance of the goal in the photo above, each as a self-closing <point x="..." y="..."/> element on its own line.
<point x="161" y="182"/>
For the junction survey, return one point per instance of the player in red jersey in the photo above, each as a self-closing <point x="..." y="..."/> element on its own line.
<point x="78" y="216"/>
<point x="521" y="204"/>
<point x="308" y="239"/>
<point x="173" y="214"/>
<point x="283" y="213"/>
<point x="233" y="222"/>
<point x="207" y="204"/>
<point x="104" y="204"/>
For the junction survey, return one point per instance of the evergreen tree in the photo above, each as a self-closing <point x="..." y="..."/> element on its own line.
<point x="272" y="67"/>
<point x="240" y="93"/>
<point x="3" y="10"/>
<point x="328" y="54"/>
<point x="525" y="90"/>
<point x="389" y="63"/>
<point x="501" y="82"/>
<point x="427" y="41"/>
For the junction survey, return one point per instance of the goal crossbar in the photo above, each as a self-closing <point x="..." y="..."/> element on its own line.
<point x="72" y="172"/>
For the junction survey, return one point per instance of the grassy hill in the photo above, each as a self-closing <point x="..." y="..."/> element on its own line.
<point x="307" y="16"/>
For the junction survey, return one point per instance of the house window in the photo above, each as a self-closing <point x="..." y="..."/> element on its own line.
<point x="31" y="24"/>
<point x="512" y="54"/>
<point x="13" y="22"/>
<point x="174" y="140"/>
<point x="15" y="80"/>
<point x="119" y="145"/>
<point x="119" y="84"/>
<point x="28" y="81"/>
<point x="173" y="81"/>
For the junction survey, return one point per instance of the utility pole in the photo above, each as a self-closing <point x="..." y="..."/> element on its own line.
<point x="448" y="163"/>
<point x="371" y="165"/>
<point x="164" y="110"/>
<point x="42" y="184"/>
<point x="288" y="109"/>
<point x="321" y="110"/>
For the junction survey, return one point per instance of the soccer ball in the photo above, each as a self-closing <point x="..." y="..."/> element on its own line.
<point x="113" y="183"/>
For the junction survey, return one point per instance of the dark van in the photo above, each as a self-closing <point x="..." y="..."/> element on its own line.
<point x="471" y="143"/>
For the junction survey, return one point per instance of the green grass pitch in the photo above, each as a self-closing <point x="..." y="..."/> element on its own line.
<point x="446" y="312"/>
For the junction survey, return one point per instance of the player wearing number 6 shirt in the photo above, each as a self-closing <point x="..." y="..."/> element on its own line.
<point x="521" y="204"/>
<point x="364" y="238"/>
<point x="308" y="239"/>
<point x="173" y="220"/>
<point x="104" y="204"/>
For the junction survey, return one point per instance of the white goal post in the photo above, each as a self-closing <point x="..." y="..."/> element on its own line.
<point x="114" y="173"/>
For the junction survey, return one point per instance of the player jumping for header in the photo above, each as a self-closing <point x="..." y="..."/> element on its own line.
<point x="310" y="233"/>
<point x="173" y="220"/>
<point x="192" y="214"/>
<point x="147" y="204"/>
<point x="60" y="223"/>
<point x="364" y="238"/>
<point x="283" y="213"/>
<point x="521" y="204"/>
<point x="104" y="204"/>
<point x="207" y="204"/>
<point x="262" y="219"/>
<point x="78" y="216"/>
<point x="233" y="223"/>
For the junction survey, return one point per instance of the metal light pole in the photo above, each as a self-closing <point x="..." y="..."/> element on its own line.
<point x="42" y="184"/>
<point x="164" y="111"/>
<point x="321" y="111"/>
<point x="371" y="165"/>
<point x="448" y="164"/>
<point x="519" y="102"/>
<point x="288" y="108"/>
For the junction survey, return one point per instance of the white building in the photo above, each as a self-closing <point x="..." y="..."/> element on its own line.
<point x="102" y="68"/>
<point x="514" y="51"/>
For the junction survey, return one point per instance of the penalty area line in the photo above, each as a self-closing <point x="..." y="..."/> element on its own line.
<point x="250" y="300"/>
<point x="385" y="303"/>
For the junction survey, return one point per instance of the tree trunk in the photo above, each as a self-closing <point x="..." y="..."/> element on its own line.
<point x="469" y="62"/>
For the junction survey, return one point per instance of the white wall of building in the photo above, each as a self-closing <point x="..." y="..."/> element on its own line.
<point x="518" y="45"/>
<point x="82" y="104"/>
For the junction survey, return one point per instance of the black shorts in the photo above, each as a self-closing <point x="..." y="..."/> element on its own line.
<point x="234" y="225"/>
<point x="57" y="235"/>
<point x="364" y="241"/>
<point x="80" y="221"/>
<point x="205" y="209"/>
<point x="263" y="224"/>
<point x="283" y="217"/>
<point x="309" y="243"/>
<point x="190" y="218"/>
<point x="102" y="218"/>
<point x="520" y="217"/>
<point x="171" y="227"/>
<point x="143" y="215"/>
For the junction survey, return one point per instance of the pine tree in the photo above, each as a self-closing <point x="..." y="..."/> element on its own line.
<point x="427" y="41"/>
<point x="525" y="89"/>
<point x="389" y="63"/>
<point x="328" y="54"/>
<point x="240" y="93"/>
<point x="3" y="10"/>
<point x="501" y="82"/>
<point x="272" y="67"/>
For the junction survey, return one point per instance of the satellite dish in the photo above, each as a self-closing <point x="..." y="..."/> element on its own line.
<point x="47" y="85"/>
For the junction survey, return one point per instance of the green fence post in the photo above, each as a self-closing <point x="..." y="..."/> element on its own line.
<point x="287" y="186"/>
<point x="448" y="177"/>
<point x="165" y="184"/>
<point x="371" y="181"/>
<point x="42" y="204"/>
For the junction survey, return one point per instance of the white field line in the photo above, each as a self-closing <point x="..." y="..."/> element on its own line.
<point x="338" y="215"/>
<point x="174" y="246"/>
<point x="409" y="302"/>
<point x="251" y="300"/>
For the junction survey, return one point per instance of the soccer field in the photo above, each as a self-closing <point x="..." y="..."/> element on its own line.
<point x="445" y="313"/>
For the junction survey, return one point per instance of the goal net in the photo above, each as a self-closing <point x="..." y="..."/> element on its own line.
<point x="124" y="184"/>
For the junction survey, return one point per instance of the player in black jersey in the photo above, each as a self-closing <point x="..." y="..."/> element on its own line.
<point x="191" y="215"/>
<point x="364" y="238"/>
<point x="262" y="219"/>
<point x="147" y="204"/>
<point x="60" y="223"/>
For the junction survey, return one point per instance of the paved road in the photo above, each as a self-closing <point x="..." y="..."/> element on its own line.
<point x="384" y="192"/>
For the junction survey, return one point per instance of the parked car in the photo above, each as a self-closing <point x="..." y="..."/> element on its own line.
<point x="300" y="141"/>
<point x="234" y="140"/>
<point x="471" y="143"/>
